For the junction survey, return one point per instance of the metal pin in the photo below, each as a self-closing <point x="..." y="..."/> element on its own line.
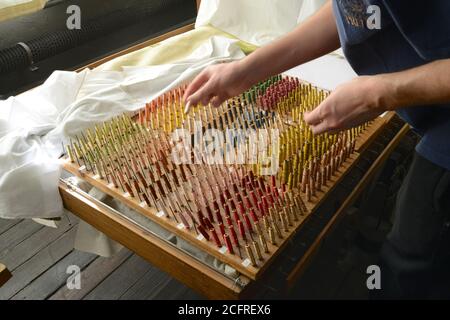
<point x="277" y="229"/>
<point x="271" y="236"/>
<point x="250" y="255"/>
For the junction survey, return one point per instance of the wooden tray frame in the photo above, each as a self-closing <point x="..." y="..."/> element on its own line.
<point x="208" y="246"/>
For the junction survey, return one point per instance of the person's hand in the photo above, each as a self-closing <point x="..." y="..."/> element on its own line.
<point x="216" y="84"/>
<point x="351" y="104"/>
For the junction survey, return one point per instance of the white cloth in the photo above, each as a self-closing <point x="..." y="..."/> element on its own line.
<point x="258" y="22"/>
<point x="33" y="125"/>
<point x="326" y="72"/>
<point x="11" y="3"/>
<point x="14" y="8"/>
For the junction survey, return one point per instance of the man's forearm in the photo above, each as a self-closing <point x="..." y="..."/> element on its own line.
<point x="424" y="85"/>
<point x="315" y="37"/>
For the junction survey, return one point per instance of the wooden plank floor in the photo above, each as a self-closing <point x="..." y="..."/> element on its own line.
<point x="38" y="258"/>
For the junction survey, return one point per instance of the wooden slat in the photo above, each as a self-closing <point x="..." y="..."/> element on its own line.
<point x="171" y="291"/>
<point x="55" y="277"/>
<point x="178" y="264"/>
<point x="94" y="274"/>
<point x="33" y="244"/>
<point x="123" y="278"/>
<point x="6" y="224"/>
<point x="189" y="294"/>
<point x="38" y="264"/>
<point x="147" y="286"/>
<point x="5" y="275"/>
<point x="15" y="235"/>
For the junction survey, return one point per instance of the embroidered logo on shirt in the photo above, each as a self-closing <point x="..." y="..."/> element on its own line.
<point x="359" y="14"/>
<point x="354" y="12"/>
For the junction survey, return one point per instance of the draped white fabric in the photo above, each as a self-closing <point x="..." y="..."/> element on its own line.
<point x="258" y="22"/>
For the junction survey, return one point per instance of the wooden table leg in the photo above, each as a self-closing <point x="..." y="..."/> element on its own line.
<point x="5" y="275"/>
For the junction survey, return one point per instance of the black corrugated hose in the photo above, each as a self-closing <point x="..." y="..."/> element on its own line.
<point x="52" y="43"/>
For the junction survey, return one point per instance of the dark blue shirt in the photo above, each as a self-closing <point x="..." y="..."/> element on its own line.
<point x="412" y="33"/>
